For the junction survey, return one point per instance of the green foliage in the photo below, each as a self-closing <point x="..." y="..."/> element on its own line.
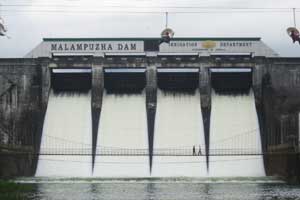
<point x="13" y="191"/>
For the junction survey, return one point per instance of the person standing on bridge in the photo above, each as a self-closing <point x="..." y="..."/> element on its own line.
<point x="194" y="150"/>
<point x="199" y="152"/>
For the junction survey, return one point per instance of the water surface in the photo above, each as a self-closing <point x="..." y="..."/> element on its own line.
<point x="156" y="189"/>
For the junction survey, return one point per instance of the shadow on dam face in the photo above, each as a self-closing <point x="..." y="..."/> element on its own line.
<point x="124" y="80"/>
<point x="71" y="79"/>
<point x="231" y="80"/>
<point x="183" y="80"/>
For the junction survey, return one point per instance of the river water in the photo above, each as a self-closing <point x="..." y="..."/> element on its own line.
<point x="154" y="189"/>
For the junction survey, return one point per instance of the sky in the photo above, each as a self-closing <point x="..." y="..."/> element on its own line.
<point x="29" y="21"/>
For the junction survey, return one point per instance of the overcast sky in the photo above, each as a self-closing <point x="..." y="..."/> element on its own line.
<point x="37" y="19"/>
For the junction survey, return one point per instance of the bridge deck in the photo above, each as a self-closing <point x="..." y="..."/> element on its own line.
<point x="184" y="152"/>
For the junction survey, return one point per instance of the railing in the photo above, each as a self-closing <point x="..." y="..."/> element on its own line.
<point x="145" y="152"/>
<point x="137" y="152"/>
<point x="58" y="146"/>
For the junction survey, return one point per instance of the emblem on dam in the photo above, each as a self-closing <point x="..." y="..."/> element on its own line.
<point x="209" y="44"/>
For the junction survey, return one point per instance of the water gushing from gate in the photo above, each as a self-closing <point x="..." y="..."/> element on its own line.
<point x="179" y="127"/>
<point x="67" y="129"/>
<point x="234" y="128"/>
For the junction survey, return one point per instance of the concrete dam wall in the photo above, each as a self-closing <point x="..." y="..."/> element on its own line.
<point x="21" y="115"/>
<point x="28" y="86"/>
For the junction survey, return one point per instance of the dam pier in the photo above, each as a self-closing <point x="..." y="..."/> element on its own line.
<point x="126" y="107"/>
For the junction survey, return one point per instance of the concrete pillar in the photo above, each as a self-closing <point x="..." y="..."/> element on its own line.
<point x="43" y="72"/>
<point x="257" y="76"/>
<point x="45" y="82"/>
<point x="258" y="73"/>
<point x="205" y="95"/>
<point x="151" y="97"/>
<point x="204" y="86"/>
<point x="97" y="94"/>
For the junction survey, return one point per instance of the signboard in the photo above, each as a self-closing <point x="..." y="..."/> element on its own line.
<point x="209" y="46"/>
<point x="94" y="47"/>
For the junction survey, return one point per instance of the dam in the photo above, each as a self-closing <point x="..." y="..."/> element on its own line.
<point x="177" y="111"/>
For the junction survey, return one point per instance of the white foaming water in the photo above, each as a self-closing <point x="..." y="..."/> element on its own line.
<point x="234" y="126"/>
<point x="67" y="128"/>
<point x="123" y="124"/>
<point x="179" y="125"/>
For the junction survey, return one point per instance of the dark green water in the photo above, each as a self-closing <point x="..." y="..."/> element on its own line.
<point x="150" y="189"/>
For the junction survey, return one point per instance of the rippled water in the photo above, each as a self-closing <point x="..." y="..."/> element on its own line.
<point x="148" y="189"/>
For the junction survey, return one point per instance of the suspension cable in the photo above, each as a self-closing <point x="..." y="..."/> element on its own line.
<point x="167" y="19"/>
<point x="294" y="15"/>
